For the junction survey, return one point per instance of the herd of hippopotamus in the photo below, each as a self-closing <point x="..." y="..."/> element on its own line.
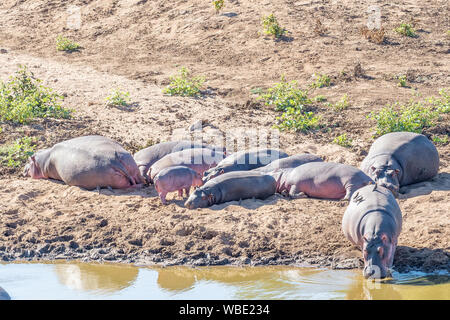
<point x="371" y="221"/>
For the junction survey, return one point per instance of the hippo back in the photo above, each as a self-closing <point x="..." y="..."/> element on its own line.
<point x="289" y="162"/>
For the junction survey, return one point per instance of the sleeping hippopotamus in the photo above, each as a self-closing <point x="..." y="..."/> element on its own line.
<point x="145" y="158"/>
<point x="289" y="162"/>
<point x="199" y="159"/>
<point x="324" y="180"/>
<point x="245" y="160"/>
<point x="373" y="222"/>
<point x="89" y="162"/>
<point x="401" y="158"/>
<point x="4" y="295"/>
<point x="232" y="186"/>
<point x="176" y="178"/>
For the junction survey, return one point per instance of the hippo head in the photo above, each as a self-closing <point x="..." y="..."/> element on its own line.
<point x="387" y="177"/>
<point x="198" y="199"/>
<point x="212" y="173"/>
<point x="33" y="169"/>
<point x="378" y="253"/>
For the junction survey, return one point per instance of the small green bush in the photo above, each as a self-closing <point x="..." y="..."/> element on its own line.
<point x="438" y="140"/>
<point x="185" y="85"/>
<point x="342" y="104"/>
<point x="319" y="98"/>
<point x="442" y="104"/>
<point x="272" y="27"/>
<point x="16" y="154"/>
<point x="118" y="98"/>
<point x="322" y="80"/>
<point x="218" y="5"/>
<point x="406" y="29"/>
<point x="402" y="81"/>
<point x="23" y="99"/>
<point x="412" y="117"/>
<point x="343" y="141"/>
<point x="296" y="120"/>
<point x="284" y="95"/>
<point x="65" y="44"/>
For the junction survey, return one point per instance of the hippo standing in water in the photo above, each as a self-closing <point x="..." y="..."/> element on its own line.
<point x="244" y="160"/>
<point x="89" y="162"/>
<point x="232" y="186"/>
<point x="401" y="158"/>
<point x="289" y="162"/>
<point x="4" y="295"/>
<point x="145" y="158"/>
<point x="323" y="180"/>
<point x="177" y="178"/>
<point x="373" y="222"/>
<point x="199" y="160"/>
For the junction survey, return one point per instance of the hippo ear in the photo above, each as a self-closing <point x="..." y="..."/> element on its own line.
<point x="222" y="171"/>
<point x="372" y="168"/>
<point x="384" y="238"/>
<point x="397" y="171"/>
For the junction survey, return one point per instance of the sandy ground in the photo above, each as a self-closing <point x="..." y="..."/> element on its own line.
<point x="136" y="46"/>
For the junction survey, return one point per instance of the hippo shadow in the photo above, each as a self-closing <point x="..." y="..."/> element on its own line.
<point x="441" y="182"/>
<point x="251" y="204"/>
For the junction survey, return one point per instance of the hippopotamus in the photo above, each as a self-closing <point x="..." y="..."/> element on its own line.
<point x="89" y="162"/>
<point x="289" y="162"/>
<point x="244" y="160"/>
<point x="232" y="186"/>
<point x="373" y="222"/>
<point x="145" y="158"/>
<point x="176" y="178"/>
<point x="324" y="180"/>
<point x="4" y="295"/>
<point x="200" y="160"/>
<point x="401" y="158"/>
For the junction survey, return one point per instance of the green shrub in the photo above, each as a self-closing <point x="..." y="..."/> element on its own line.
<point x="23" y="99"/>
<point x="322" y="80"/>
<point x="438" y="140"/>
<point x="65" y="44"/>
<point x="343" y="141"/>
<point x="271" y="26"/>
<point x="16" y="154"/>
<point x="342" y="104"/>
<point x="406" y="29"/>
<point x="296" y="120"/>
<point x="413" y="117"/>
<point x="442" y="104"/>
<point x="185" y="85"/>
<point x="118" y="98"/>
<point x="402" y="81"/>
<point x="218" y="5"/>
<point x="319" y="98"/>
<point x="284" y="95"/>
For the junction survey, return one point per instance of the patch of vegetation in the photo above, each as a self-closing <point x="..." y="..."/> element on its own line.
<point x="218" y="5"/>
<point x="343" y="141"/>
<point x="406" y="29"/>
<point x="284" y="95"/>
<point x="67" y="45"/>
<point x="438" y="140"/>
<point x="185" y="85"/>
<point x="118" y="98"/>
<point x="319" y="98"/>
<point x="377" y="36"/>
<point x="23" y="99"/>
<point x="402" y="81"/>
<point x="342" y="104"/>
<point x="272" y="27"/>
<point x="442" y="104"/>
<point x="16" y="154"/>
<point x="297" y="120"/>
<point x="322" y="80"/>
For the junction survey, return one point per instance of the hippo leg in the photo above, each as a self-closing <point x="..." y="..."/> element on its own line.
<point x="187" y="190"/>
<point x="162" y="196"/>
<point x="180" y="193"/>
<point x="293" y="194"/>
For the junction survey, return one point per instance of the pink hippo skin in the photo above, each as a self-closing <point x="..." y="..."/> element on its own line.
<point x="89" y="162"/>
<point x="290" y="162"/>
<point x="176" y="178"/>
<point x="199" y="160"/>
<point x="323" y="180"/>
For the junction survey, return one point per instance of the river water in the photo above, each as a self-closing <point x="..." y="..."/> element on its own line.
<point x="69" y="280"/>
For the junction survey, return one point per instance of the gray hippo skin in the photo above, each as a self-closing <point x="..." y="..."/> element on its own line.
<point x="177" y="178"/>
<point x="232" y="186"/>
<point x="89" y="162"/>
<point x="401" y="158"/>
<point x="323" y="180"/>
<point x="145" y="158"/>
<point x="245" y="160"/>
<point x="373" y="222"/>
<point x="200" y="160"/>
<point x="4" y="295"/>
<point x="289" y="162"/>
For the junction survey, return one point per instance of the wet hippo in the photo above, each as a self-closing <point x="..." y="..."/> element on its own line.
<point x="176" y="178"/>
<point x="373" y="222"/>
<point x="245" y="160"/>
<point x="289" y="162"/>
<point x="200" y="160"/>
<point x="401" y="158"/>
<point x="232" y="186"/>
<point x="89" y="162"/>
<point x="4" y="295"/>
<point x="324" y="180"/>
<point x="145" y="158"/>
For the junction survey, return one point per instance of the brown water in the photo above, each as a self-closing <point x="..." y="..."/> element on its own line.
<point x="111" y="281"/>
